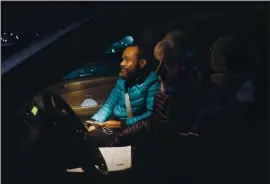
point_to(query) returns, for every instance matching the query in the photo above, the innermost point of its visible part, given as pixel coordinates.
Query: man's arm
(107, 108)
(149, 106)
(157, 118)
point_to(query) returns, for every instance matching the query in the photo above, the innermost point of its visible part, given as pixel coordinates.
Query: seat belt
(128, 106)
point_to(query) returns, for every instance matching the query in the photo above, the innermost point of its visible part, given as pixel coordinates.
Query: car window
(34, 24)
(118, 46)
(107, 66)
(94, 71)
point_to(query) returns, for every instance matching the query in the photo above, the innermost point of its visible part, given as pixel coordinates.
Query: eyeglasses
(165, 66)
(167, 63)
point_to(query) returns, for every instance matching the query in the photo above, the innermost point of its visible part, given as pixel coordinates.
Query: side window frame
(110, 61)
(80, 74)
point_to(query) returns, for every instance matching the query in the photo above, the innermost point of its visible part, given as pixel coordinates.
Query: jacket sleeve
(149, 106)
(129, 132)
(108, 107)
(157, 118)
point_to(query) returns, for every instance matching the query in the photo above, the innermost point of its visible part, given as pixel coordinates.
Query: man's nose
(122, 64)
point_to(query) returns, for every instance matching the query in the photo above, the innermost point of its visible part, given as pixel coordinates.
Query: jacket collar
(147, 78)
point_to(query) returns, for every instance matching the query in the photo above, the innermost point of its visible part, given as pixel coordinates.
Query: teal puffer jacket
(141, 101)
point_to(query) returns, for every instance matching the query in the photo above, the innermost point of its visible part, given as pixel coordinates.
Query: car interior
(47, 98)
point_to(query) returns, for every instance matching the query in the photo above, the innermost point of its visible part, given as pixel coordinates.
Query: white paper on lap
(75, 170)
(117, 158)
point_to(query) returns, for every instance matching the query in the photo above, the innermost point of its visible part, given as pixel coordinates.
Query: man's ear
(143, 63)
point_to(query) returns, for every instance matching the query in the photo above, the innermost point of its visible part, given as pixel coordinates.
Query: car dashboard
(31, 119)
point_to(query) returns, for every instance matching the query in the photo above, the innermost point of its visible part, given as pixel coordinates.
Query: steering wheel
(62, 114)
(59, 111)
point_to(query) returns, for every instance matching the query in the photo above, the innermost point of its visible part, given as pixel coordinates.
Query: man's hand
(94, 125)
(112, 124)
(107, 124)
(91, 128)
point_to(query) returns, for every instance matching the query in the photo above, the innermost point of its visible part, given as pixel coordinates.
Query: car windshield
(107, 65)
(31, 24)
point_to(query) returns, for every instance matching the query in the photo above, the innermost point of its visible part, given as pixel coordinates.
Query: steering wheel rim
(59, 110)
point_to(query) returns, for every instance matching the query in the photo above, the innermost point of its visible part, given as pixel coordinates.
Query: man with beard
(171, 129)
(132, 97)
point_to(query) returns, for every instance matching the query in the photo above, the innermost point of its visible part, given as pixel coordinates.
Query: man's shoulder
(120, 83)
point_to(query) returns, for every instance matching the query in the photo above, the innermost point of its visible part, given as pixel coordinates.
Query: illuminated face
(129, 64)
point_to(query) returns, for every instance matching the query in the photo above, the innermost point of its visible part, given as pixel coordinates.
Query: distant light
(113, 50)
(5, 33)
(11, 34)
(122, 42)
(37, 34)
(17, 37)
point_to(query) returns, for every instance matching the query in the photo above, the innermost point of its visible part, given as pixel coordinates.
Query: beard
(127, 74)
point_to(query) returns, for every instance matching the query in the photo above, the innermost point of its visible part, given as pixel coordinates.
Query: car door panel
(85, 113)
(83, 83)
(98, 93)
(74, 92)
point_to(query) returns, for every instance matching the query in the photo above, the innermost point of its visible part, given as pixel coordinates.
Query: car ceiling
(25, 17)
(90, 40)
